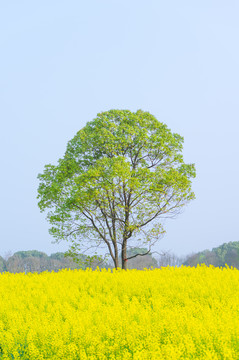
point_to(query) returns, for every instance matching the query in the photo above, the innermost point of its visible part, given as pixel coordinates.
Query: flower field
(170, 313)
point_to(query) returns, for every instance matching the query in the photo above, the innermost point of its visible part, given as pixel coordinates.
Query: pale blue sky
(62, 62)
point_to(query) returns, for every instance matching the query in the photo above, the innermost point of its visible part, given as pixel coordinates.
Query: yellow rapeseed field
(170, 313)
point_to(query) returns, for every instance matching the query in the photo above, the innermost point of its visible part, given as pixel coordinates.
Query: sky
(62, 62)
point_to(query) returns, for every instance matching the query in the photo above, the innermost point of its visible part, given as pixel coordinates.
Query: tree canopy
(120, 175)
(30, 253)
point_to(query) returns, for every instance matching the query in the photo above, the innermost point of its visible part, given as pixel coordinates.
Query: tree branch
(131, 257)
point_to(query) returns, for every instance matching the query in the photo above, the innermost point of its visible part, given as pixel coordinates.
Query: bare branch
(131, 257)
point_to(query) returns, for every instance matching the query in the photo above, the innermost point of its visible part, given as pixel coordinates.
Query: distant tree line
(37, 261)
(226, 254)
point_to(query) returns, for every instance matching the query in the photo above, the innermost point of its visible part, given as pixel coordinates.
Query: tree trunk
(116, 258)
(124, 255)
(124, 264)
(116, 261)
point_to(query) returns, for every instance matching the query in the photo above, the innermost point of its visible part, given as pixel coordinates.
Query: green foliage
(57, 256)
(120, 174)
(226, 254)
(33, 253)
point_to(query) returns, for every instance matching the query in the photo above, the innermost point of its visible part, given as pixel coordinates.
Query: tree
(2, 264)
(31, 253)
(120, 175)
(166, 258)
(225, 254)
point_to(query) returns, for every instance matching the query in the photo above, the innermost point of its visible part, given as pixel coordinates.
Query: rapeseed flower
(169, 313)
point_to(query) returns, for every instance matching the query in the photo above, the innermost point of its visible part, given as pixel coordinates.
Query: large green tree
(120, 175)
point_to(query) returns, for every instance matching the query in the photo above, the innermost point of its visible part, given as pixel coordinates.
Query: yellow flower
(169, 313)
